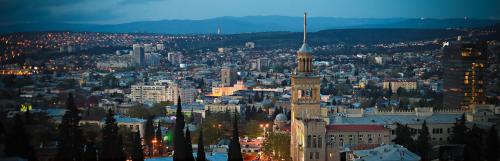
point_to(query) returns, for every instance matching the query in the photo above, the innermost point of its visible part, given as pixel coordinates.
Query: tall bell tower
(308, 126)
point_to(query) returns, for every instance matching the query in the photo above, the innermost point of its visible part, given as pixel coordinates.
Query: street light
(264, 126)
(154, 144)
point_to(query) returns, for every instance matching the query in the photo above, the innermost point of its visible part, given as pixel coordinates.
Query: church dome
(280, 118)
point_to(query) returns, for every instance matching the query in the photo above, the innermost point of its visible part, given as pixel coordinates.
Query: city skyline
(255, 88)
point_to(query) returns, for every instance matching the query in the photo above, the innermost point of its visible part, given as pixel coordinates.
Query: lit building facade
(228, 76)
(308, 121)
(227, 91)
(187, 93)
(464, 74)
(395, 84)
(148, 93)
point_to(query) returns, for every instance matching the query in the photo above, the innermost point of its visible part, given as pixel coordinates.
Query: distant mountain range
(231, 25)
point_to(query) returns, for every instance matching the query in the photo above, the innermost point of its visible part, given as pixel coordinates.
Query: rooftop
(391, 119)
(386, 153)
(352, 128)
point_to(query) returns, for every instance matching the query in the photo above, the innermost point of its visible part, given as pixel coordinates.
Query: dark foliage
(423, 144)
(112, 144)
(234, 152)
(137, 153)
(71, 142)
(492, 145)
(17, 141)
(90, 153)
(180, 144)
(200, 155)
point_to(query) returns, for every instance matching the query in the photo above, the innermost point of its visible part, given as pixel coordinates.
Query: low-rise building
(395, 84)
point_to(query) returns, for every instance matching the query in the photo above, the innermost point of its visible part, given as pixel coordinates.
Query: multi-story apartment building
(148, 93)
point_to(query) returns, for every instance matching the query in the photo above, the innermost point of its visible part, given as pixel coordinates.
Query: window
(315, 141)
(308, 93)
(310, 155)
(317, 155)
(370, 140)
(308, 141)
(319, 141)
(332, 141)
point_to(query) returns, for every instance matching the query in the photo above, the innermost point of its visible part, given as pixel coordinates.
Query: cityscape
(125, 80)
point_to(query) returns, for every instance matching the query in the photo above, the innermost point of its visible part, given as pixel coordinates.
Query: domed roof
(305, 49)
(281, 118)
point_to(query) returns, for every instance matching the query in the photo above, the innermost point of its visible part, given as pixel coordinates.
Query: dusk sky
(119, 11)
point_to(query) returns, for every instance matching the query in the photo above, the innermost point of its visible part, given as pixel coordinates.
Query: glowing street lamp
(154, 144)
(264, 126)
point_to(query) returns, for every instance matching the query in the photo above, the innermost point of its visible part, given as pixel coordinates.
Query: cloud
(119, 11)
(18, 11)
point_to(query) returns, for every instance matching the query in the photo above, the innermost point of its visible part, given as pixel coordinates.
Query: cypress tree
(474, 143)
(492, 145)
(27, 116)
(458, 135)
(137, 154)
(17, 141)
(189, 145)
(2, 129)
(403, 137)
(389, 93)
(234, 152)
(112, 144)
(71, 143)
(200, 155)
(227, 114)
(423, 144)
(158, 137)
(208, 112)
(180, 153)
(120, 153)
(149, 134)
(90, 153)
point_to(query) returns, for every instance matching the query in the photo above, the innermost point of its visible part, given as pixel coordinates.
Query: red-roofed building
(343, 136)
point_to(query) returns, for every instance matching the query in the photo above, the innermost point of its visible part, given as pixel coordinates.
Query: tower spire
(305, 27)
